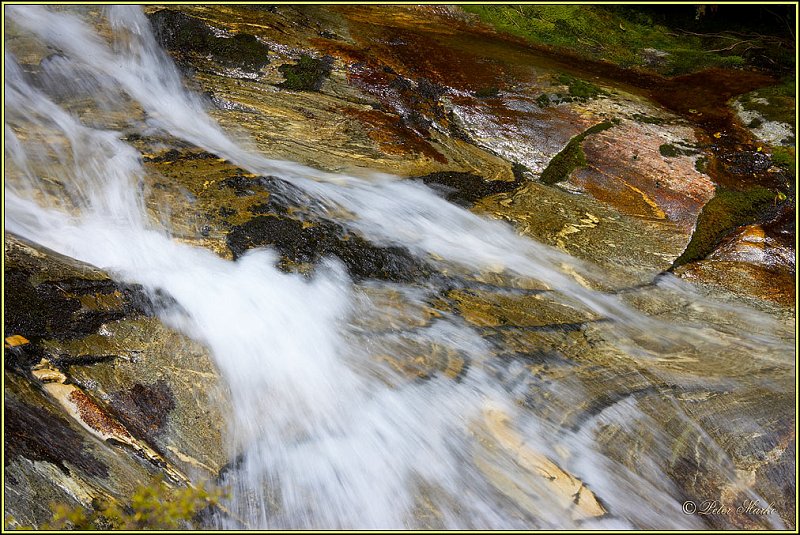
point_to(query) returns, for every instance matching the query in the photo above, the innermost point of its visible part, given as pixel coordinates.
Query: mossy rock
(669, 150)
(307, 74)
(726, 211)
(301, 243)
(182, 34)
(487, 92)
(465, 189)
(774, 103)
(580, 89)
(572, 156)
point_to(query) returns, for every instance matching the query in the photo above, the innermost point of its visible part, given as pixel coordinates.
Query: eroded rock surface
(100, 397)
(417, 92)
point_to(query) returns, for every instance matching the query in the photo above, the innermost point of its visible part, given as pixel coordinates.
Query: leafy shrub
(155, 506)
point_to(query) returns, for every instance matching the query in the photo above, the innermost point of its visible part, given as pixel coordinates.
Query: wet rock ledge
(100, 396)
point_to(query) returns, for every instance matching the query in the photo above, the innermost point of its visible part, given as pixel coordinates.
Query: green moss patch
(647, 119)
(307, 74)
(487, 92)
(185, 35)
(701, 164)
(774, 103)
(785, 157)
(580, 89)
(543, 100)
(628, 37)
(724, 212)
(672, 151)
(571, 157)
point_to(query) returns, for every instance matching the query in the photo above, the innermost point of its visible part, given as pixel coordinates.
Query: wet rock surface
(303, 243)
(185, 35)
(121, 399)
(415, 92)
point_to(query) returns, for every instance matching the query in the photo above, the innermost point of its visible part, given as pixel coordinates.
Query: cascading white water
(321, 441)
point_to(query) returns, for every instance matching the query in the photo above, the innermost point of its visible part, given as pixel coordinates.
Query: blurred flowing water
(324, 434)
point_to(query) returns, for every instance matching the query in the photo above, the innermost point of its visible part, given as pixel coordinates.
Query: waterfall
(321, 440)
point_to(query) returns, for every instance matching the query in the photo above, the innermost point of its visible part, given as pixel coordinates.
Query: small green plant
(155, 506)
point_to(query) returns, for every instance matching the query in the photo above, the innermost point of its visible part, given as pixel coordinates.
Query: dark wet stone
(52, 309)
(64, 361)
(746, 162)
(47, 299)
(183, 34)
(39, 435)
(487, 92)
(309, 245)
(429, 90)
(144, 409)
(44, 311)
(465, 189)
(173, 154)
(245, 186)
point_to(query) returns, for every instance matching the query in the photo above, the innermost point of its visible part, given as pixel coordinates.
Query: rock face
(430, 102)
(100, 396)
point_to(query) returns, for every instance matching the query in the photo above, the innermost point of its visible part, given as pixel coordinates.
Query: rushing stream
(324, 434)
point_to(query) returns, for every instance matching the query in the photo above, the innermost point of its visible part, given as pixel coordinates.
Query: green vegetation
(307, 74)
(774, 103)
(154, 507)
(572, 156)
(671, 151)
(626, 38)
(723, 213)
(785, 157)
(701, 164)
(487, 92)
(646, 119)
(543, 100)
(580, 89)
